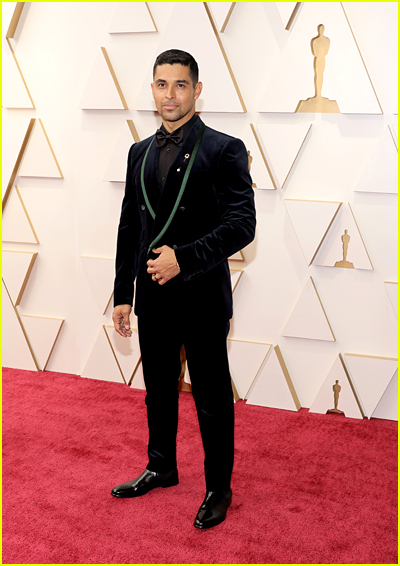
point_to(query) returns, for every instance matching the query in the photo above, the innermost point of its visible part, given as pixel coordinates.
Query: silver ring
(155, 277)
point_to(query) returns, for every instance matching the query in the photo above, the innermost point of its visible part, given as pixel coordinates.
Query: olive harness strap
(182, 189)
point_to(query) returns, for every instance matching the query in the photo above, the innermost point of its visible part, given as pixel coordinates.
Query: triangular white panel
(15, 350)
(308, 319)
(271, 388)
(392, 291)
(282, 143)
(345, 78)
(15, 93)
(325, 399)
(101, 273)
(311, 221)
(380, 175)
(42, 334)
(286, 10)
(333, 249)
(126, 351)
(17, 267)
(235, 278)
(116, 170)
(39, 159)
(102, 91)
(101, 363)
(245, 360)
(201, 42)
(17, 226)
(132, 17)
(221, 12)
(388, 406)
(371, 376)
(258, 163)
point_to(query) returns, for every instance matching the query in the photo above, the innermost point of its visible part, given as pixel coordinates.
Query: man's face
(174, 94)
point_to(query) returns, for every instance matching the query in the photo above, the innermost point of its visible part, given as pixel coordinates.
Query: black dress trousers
(204, 338)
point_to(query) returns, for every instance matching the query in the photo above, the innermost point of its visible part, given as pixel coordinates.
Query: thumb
(157, 250)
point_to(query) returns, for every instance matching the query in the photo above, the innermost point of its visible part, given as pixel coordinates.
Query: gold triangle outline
(285, 372)
(387, 293)
(12, 28)
(375, 358)
(62, 320)
(235, 84)
(328, 228)
(323, 310)
(151, 16)
(260, 147)
(359, 51)
(228, 17)
(362, 239)
(114, 77)
(26, 214)
(20, 72)
(241, 256)
(239, 278)
(22, 327)
(27, 275)
(18, 162)
(129, 382)
(293, 16)
(249, 342)
(51, 148)
(133, 130)
(348, 373)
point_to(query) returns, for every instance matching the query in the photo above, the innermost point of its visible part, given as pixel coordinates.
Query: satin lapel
(152, 185)
(174, 179)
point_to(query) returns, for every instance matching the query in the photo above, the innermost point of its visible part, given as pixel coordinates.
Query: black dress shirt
(170, 150)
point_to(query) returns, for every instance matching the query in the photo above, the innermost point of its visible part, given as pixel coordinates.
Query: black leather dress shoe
(145, 483)
(213, 509)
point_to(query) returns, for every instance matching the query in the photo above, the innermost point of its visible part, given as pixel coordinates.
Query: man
(188, 206)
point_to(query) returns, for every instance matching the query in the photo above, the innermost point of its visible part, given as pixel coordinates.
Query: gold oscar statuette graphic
(250, 162)
(344, 262)
(336, 390)
(319, 47)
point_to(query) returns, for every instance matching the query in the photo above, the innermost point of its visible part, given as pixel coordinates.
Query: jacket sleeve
(128, 241)
(235, 195)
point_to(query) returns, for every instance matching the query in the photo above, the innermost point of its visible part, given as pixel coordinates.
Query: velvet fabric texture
(215, 219)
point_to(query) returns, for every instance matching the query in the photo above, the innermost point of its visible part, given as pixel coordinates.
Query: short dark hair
(178, 57)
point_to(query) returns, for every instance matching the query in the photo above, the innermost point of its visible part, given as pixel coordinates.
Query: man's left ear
(197, 90)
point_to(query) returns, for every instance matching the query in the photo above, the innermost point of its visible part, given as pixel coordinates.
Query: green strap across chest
(181, 191)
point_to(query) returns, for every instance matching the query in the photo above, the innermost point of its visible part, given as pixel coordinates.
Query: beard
(173, 115)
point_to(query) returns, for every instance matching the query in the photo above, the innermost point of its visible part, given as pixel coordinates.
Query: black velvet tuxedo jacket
(214, 220)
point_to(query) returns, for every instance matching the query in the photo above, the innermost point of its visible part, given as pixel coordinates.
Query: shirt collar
(186, 127)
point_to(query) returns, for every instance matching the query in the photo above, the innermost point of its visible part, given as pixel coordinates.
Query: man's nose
(170, 92)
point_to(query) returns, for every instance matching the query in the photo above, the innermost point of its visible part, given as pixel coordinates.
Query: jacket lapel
(174, 180)
(152, 184)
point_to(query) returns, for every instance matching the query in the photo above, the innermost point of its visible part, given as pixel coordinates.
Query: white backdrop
(56, 44)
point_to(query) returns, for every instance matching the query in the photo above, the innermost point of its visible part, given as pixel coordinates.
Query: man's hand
(164, 267)
(121, 320)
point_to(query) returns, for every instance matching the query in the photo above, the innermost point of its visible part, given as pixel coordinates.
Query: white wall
(56, 44)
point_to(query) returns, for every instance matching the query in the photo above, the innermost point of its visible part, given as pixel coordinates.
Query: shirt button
(168, 149)
(143, 207)
(164, 179)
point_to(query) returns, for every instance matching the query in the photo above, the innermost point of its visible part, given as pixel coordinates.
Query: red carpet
(307, 488)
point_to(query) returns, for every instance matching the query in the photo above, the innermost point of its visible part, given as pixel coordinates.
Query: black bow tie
(161, 137)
